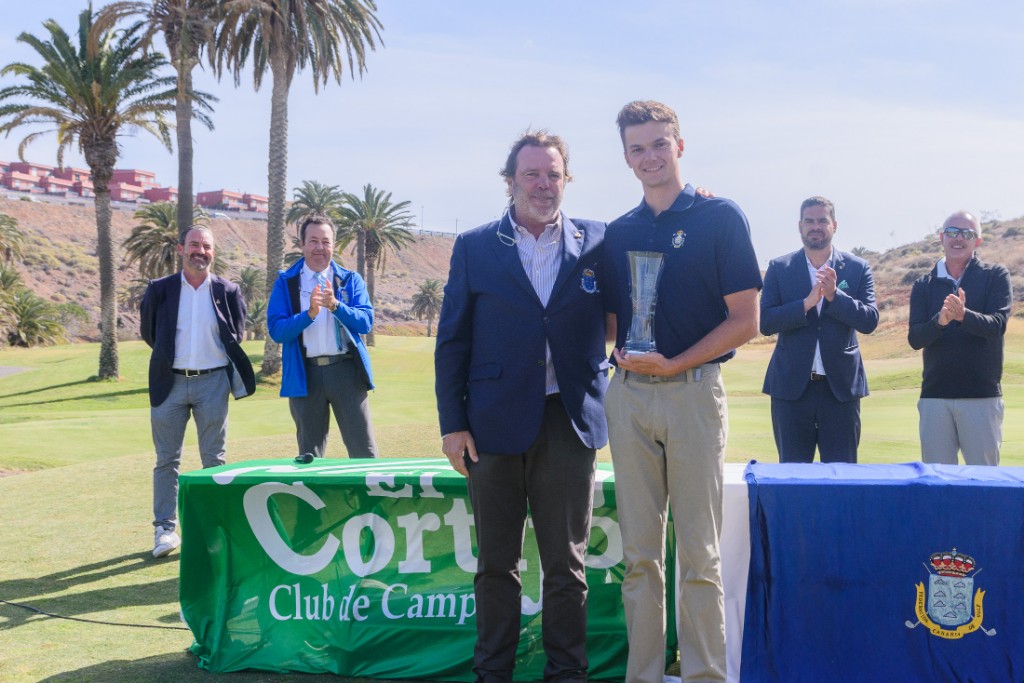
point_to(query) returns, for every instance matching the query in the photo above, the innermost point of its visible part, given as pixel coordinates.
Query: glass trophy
(644, 275)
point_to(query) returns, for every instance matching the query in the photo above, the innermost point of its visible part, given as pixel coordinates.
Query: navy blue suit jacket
(852, 310)
(490, 356)
(159, 321)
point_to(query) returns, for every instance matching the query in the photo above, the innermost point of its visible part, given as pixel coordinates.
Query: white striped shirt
(541, 258)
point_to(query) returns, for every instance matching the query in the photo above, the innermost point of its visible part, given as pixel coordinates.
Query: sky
(899, 111)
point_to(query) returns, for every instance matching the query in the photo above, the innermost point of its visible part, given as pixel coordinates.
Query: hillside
(61, 260)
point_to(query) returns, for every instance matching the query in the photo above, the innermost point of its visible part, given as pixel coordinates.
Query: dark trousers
(336, 387)
(816, 420)
(554, 479)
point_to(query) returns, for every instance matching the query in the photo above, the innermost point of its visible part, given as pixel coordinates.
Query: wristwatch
(334, 307)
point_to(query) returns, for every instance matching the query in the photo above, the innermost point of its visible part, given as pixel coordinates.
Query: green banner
(364, 569)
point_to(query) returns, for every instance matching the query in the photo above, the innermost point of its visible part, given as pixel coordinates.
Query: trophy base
(638, 351)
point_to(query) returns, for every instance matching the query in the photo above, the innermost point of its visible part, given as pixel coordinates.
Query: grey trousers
(206, 399)
(974, 426)
(340, 388)
(554, 478)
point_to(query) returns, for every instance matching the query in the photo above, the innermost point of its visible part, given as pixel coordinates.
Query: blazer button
(540, 362)
(547, 319)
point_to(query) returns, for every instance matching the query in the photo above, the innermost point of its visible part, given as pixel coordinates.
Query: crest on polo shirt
(588, 282)
(678, 239)
(952, 606)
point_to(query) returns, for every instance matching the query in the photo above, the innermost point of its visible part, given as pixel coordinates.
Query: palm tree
(382, 227)
(10, 283)
(286, 36)
(6, 317)
(12, 239)
(187, 27)
(296, 253)
(130, 296)
(426, 303)
(154, 243)
(314, 197)
(10, 279)
(89, 94)
(256, 319)
(35, 321)
(250, 281)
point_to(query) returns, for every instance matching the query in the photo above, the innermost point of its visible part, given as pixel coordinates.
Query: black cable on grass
(90, 621)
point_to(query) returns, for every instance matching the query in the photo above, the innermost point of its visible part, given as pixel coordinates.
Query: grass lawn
(75, 533)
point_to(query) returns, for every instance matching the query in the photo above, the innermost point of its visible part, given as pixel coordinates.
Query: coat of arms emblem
(588, 282)
(952, 607)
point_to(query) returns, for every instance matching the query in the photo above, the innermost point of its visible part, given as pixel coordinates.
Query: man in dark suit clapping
(194, 321)
(817, 299)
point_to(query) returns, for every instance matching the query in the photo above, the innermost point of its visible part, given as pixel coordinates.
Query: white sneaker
(164, 542)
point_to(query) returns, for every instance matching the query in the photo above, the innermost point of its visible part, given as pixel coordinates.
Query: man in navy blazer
(521, 373)
(816, 300)
(194, 321)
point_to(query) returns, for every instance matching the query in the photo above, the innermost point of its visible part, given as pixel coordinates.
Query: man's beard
(815, 241)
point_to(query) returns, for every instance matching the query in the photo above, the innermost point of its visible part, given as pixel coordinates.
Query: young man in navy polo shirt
(667, 409)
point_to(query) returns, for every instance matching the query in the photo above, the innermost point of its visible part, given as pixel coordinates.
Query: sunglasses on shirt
(966, 233)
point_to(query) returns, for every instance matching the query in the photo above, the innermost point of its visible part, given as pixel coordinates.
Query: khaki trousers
(667, 440)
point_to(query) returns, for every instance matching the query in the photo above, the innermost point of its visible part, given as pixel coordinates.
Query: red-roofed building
(134, 176)
(16, 180)
(28, 168)
(254, 202)
(5, 166)
(54, 185)
(221, 199)
(161, 194)
(84, 188)
(125, 192)
(75, 175)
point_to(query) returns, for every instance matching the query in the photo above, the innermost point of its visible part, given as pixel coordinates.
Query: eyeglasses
(966, 233)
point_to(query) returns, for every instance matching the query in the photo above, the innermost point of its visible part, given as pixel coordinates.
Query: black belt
(815, 377)
(328, 360)
(196, 373)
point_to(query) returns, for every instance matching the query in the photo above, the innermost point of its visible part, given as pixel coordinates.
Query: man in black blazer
(817, 299)
(194, 321)
(521, 374)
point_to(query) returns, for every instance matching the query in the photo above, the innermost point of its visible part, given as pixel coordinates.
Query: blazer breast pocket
(484, 371)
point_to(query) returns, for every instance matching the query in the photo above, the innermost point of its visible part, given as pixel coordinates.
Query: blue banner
(885, 573)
